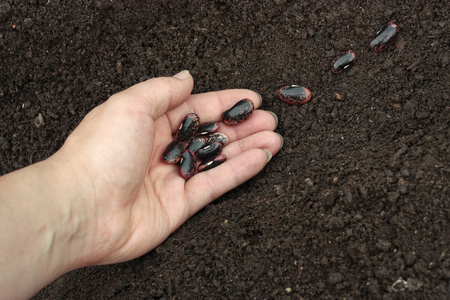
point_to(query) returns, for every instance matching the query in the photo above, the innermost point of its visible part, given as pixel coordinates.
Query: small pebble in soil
(309, 181)
(402, 186)
(383, 245)
(38, 121)
(240, 112)
(384, 37)
(209, 150)
(188, 127)
(343, 61)
(335, 277)
(173, 152)
(294, 94)
(212, 162)
(207, 128)
(188, 164)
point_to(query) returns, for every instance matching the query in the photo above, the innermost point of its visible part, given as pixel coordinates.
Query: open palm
(136, 200)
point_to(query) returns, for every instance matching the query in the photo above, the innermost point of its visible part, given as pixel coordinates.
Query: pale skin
(106, 196)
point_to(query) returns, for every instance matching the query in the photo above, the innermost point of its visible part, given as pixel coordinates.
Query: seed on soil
(217, 137)
(343, 61)
(207, 128)
(173, 152)
(196, 143)
(188, 164)
(240, 112)
(384, 37)
(294, 94)
(209, 150)
(212, 162)
(188, 127)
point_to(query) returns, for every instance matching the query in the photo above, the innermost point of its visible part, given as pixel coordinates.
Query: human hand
(107, 196)
(132, 201)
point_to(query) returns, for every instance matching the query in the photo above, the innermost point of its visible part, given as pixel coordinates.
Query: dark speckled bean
(209, 150)
(217, 137)
(343, 61)
(173, 152)
(384, 37)
(294, 94)
(207, 128)
(188, 164)
(240, 112)
(188, 127)
(212, 162)
(196, 143)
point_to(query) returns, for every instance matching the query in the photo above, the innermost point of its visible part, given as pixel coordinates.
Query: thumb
(161, 94)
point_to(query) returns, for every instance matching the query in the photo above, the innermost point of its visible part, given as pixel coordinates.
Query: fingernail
(268, 153)
(260, 98)
(282, 140)
(275, 117)
(182, 75)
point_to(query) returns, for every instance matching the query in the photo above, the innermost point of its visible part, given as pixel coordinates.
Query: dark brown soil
(357, 203)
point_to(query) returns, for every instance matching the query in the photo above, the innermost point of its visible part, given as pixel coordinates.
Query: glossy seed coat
(217, 137)
(188, 127)
(343, 61)
(240, 112)
(209, 150)
(384, 37)
(207, 128)
(294, 94)
(196, 143)
(212, 162)
(173, 152)
(188, 164)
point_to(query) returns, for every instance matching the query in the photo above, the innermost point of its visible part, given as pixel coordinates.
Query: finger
(259, 121)
(157, 95)
(207, 186)
(261, 140)
(210, 106)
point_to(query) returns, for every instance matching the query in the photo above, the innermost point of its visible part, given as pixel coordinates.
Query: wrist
(72, 215)
(41, 228)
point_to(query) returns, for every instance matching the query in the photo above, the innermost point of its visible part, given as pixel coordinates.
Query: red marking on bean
(217, 137)
(212, 162)
(188, 164)
(173, 152)
(240, 112)
(384, 37)
(294, 94)
(207, 128)
(343, 61)
(188, 127)
(196, 143)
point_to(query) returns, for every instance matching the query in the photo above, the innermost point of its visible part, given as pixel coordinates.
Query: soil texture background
(356, 205)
